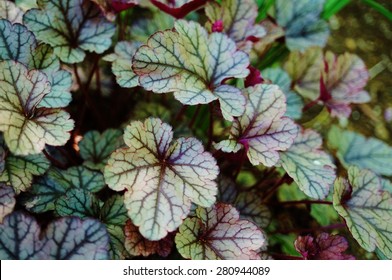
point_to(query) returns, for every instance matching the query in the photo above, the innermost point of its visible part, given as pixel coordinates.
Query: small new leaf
(217, 233)
(161, 178)
(137, 245)
(71, 27)
(193, 65)
(7, 200)
(262, 130)
(324, 247)
(309, 166)
(366, 208)
(355, 149)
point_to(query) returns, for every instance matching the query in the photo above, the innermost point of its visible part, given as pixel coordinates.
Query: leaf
(121, 63)
(161, 178)
(95, 148)
(262, 130)
(73, 239)
(366, 208)
(178, 8)
(77, 202)
(8, 10)
(273, 32)
(7, 200)
(310, 167)
(54, 185)
(251, 208)
(26, 125)
(111, 7)
(144, 110)
(302, 24)
(218, 233)
(19, 238)
(324, 247)
(114, 212)
(137, 245)
(193, 65)
(355, 149)
(18, 171)
(294, 102)
(71, 27)
(143, 27)
(19, 44)
(335, 81)
(117, 242)
(238, 19)
(227, 191)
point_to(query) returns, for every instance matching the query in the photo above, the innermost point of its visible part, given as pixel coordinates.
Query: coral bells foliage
(175, 129)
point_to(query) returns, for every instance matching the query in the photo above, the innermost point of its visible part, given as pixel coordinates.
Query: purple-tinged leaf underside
(71, 27)
(310, 167)
(7, 200)
(323, 247)
(193, 65)
(161, 177)
(178, 8)
(137, 245)
(238, 19)
(355, 149)
(366, 208)
(218, 233)
(262, 130)
(121, 63)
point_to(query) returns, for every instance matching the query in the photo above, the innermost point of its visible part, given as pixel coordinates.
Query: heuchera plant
(185, 129)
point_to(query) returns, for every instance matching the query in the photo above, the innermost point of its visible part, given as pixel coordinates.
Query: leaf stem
(181, 113)
(211, 127)
(195, 114)
(271, 191)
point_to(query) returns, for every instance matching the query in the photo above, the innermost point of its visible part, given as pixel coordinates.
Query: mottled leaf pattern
(302, 23)
(238, 20)
(77, 202)
(137, 245)
(366, 208)
(162, 177)
(26, 126)
(323, 247)
(310, 167)
(95, 148)
(355, 149)
(251, 208)
(218, 233)
(11, 12)
(7, 200)
(18, 171)
(193, 65)
(121, 63)
(117, 242)
(294, 102)
(262, 130)
(71, 27)
(113, 212)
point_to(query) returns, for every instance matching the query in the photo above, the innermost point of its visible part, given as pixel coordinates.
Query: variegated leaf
(7, 200)
(193, 65)
(8, 10)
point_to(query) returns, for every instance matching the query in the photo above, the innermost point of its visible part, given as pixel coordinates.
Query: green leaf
(262, 130)
(324, 214)
(18, 171)
(302, 23)
(218, 233)
(71, 27)
(117, 242)
(54, 185)
(114, 212)
(161, 177)
(19, 44)
(310, 167)
(121, 63)
(95, 148)
(137, 245)
(27, 126)
(238, 20)
(7, 200)
(193, 65)
(227, 190)
(251, 208)
(143, 27)
(77, 202)
(355, 149)
(294, 102)
(144, 110)
(332, 7)
(8, 10)
(366, 208)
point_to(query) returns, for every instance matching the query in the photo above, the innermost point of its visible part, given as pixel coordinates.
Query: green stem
(379, 8)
